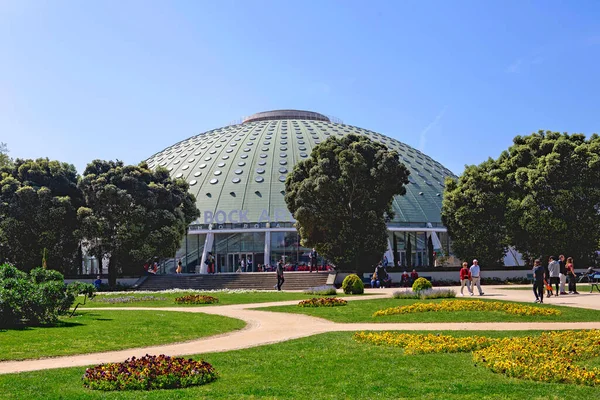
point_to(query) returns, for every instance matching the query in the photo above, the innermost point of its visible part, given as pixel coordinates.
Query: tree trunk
(112, 271)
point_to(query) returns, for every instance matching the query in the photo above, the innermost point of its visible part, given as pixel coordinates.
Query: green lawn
(95, 331)
(327, 366)
(362, 311)
(224, 298)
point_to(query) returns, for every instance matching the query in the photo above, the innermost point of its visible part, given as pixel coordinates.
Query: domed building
(238, 172)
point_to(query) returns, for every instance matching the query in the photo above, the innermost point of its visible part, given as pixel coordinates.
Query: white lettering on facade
(264, 216)
(230, 216)
(220, 217)
(244, 216)
(208, 217)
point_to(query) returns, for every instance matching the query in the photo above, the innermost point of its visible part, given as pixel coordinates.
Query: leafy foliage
(421, 284)
(133, 214)
(341, 197)
(37, 298)
(352, 284)
(38, 210)
(541, 196)
(5, 160)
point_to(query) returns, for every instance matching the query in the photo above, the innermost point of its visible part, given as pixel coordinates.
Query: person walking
(476, 277)
(538, 281)
(179, 267)
(313, 260)
(465, 279)
(280, 279)
(572, 277)
(562, 276)
(554, 273)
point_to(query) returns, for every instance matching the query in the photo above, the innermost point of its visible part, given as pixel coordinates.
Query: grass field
(95, 331)
(327, 366)
(224, 298)
(362, 311)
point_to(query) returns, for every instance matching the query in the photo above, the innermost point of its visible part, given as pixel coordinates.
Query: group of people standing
(557, 273)
(470, 277)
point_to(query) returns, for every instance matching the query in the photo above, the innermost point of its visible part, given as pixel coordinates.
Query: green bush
(352, 284)
(34, 299)
(421, 284)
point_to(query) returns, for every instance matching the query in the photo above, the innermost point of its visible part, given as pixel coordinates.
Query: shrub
(34, 299)
(425, 294)
(325, 290)
(405, 294)
(352, 284)
(196, 299)
(149, 372)
(421, 284)
(323, 302)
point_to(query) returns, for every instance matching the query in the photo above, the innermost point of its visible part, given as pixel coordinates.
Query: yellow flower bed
(549, 357)
(424, 344)
(468, 305)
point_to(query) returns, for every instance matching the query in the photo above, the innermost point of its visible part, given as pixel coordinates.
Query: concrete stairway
(251, 280)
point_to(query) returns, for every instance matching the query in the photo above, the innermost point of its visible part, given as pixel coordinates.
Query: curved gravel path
(265, 327)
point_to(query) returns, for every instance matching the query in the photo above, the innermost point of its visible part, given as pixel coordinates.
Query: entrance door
(233, 260)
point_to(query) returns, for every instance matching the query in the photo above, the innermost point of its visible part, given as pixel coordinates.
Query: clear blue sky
(81, 80)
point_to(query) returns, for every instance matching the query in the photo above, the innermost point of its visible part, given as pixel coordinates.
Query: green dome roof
(243, 167)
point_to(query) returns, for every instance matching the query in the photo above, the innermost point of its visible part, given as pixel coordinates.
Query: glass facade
(246, 251)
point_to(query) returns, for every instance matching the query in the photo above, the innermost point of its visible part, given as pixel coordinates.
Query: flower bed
(425, 294)
(549, 357)
(149, 372)
(126, 299)
(423, 344)
(323, 302)
(468, 305)
(196, 299)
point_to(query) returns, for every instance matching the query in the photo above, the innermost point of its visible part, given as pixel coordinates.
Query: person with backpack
(539, 274)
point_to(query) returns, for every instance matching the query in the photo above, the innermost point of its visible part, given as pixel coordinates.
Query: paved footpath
(265, 327)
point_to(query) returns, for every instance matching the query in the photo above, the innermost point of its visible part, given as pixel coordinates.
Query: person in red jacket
(465, 279)
(414, 276)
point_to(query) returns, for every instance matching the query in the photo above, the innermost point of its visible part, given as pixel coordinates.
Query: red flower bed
(149, 372)
(196, 299)
(323, 302)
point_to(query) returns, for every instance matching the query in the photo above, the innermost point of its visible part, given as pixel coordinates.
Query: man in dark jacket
(279, 270)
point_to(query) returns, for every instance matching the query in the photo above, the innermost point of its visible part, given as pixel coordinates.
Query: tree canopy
(38, 210)
(5, 160)
(540, 196)
(132, 214)
(341, 197)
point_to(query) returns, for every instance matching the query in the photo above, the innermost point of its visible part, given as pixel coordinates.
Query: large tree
(38, 211)
(341, 197)
(474, 212)
(133, 213)
(540, 196)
